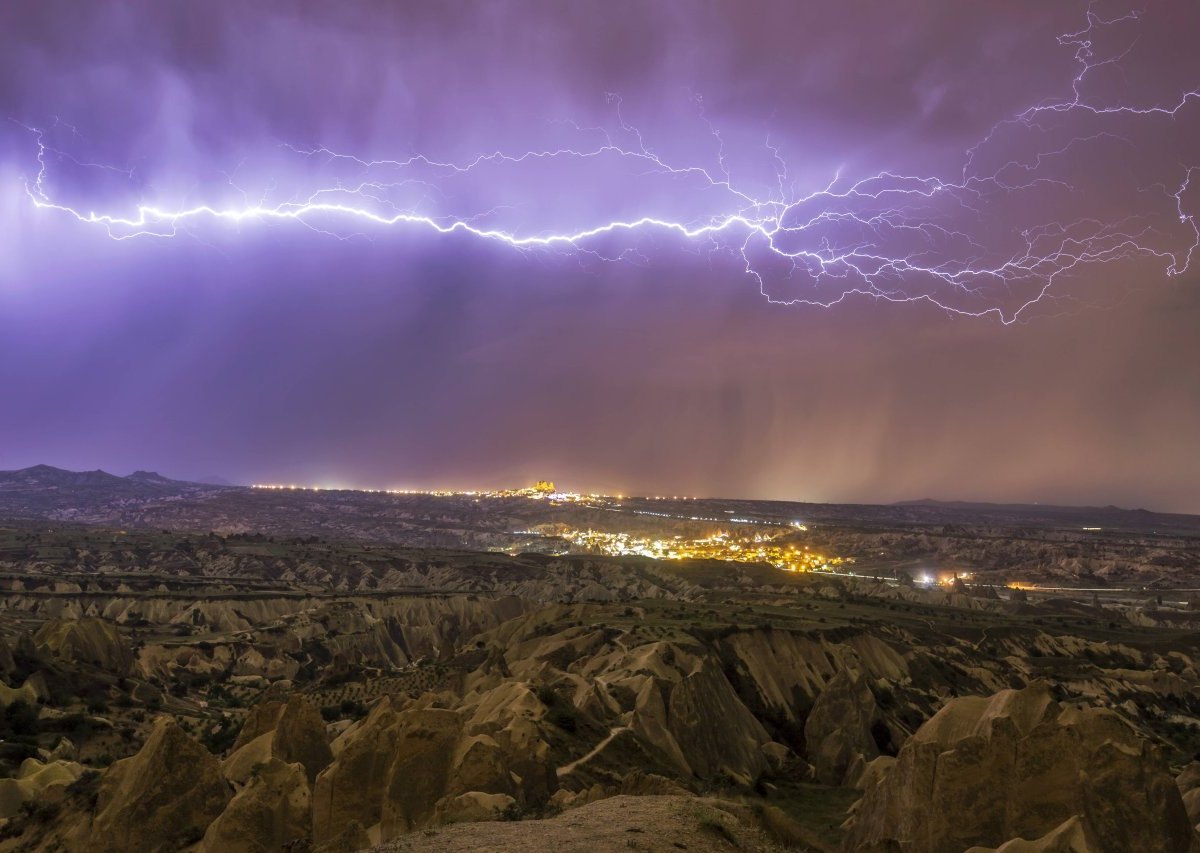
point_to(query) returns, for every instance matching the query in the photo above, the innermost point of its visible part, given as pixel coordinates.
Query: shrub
(86, 787)
(39, 811)
(222, 737)
(20, 719)
(513, 811)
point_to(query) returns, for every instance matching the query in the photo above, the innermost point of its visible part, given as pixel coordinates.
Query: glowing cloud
(993, 236)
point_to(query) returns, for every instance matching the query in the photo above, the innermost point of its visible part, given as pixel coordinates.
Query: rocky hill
(211, 691)
(808, 714)
(43, 491)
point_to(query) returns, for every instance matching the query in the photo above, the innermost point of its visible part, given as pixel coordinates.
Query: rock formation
(985, 771)
(410, 762)
(29, 692)
(838, 730)
(290, 730)
(90, 641)
(35, 779)
(271, 811)
(162, 798)
(1188, 783)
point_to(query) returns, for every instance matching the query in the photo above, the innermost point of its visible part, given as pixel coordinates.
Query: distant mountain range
(43, 491)
(149, 498)
(48, 476)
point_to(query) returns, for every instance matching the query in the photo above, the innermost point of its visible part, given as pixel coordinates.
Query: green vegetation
(819, 808)
(220, 737)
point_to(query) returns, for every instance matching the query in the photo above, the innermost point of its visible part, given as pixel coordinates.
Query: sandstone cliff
(290, 730)
(1017, 765)
(87, 640)
(163, 797)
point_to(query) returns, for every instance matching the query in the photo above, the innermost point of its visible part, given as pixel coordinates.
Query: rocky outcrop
(672, 696)
(783, 672)
(32, 689)
(290, 730)
(35, 779)
(1069, 837)
(1188, 783)
(985, 771)
(410, 763)
(352, 838)
(838, 731)
(473, 806)
(634, 784)
(385, 632)
(271, 811)
(164, 796)
(692, 715)
(390, 773)
(419, 626)
(89, 641)
(64, 750)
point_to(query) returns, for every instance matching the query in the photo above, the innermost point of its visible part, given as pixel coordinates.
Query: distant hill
(1082, 516)
(43, 491)
(47, 475)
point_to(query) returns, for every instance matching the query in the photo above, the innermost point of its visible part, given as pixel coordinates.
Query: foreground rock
(1018, 765)
(615, 824)
(410, 764)
(162, 798)
(838, 731)
(671, 696)
(34, 780)
(1188, 783)
(270, 812)
(290, 730)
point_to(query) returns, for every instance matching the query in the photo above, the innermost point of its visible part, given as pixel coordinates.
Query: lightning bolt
(887, 236)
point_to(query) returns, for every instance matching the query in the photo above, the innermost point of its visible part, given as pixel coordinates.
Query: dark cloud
(271, 352)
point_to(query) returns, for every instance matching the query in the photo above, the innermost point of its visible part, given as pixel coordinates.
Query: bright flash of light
(946, 240)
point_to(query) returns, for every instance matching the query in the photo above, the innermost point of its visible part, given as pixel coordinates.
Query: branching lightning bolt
(888, 236)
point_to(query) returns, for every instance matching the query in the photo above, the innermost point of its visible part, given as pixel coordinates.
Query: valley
(330, 688)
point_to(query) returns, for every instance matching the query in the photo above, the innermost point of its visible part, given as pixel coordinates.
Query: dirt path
(568, 768)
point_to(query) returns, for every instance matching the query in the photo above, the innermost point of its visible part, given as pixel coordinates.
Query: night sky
(893, 251)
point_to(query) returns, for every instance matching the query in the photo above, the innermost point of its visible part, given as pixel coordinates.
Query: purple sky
(334, 348)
